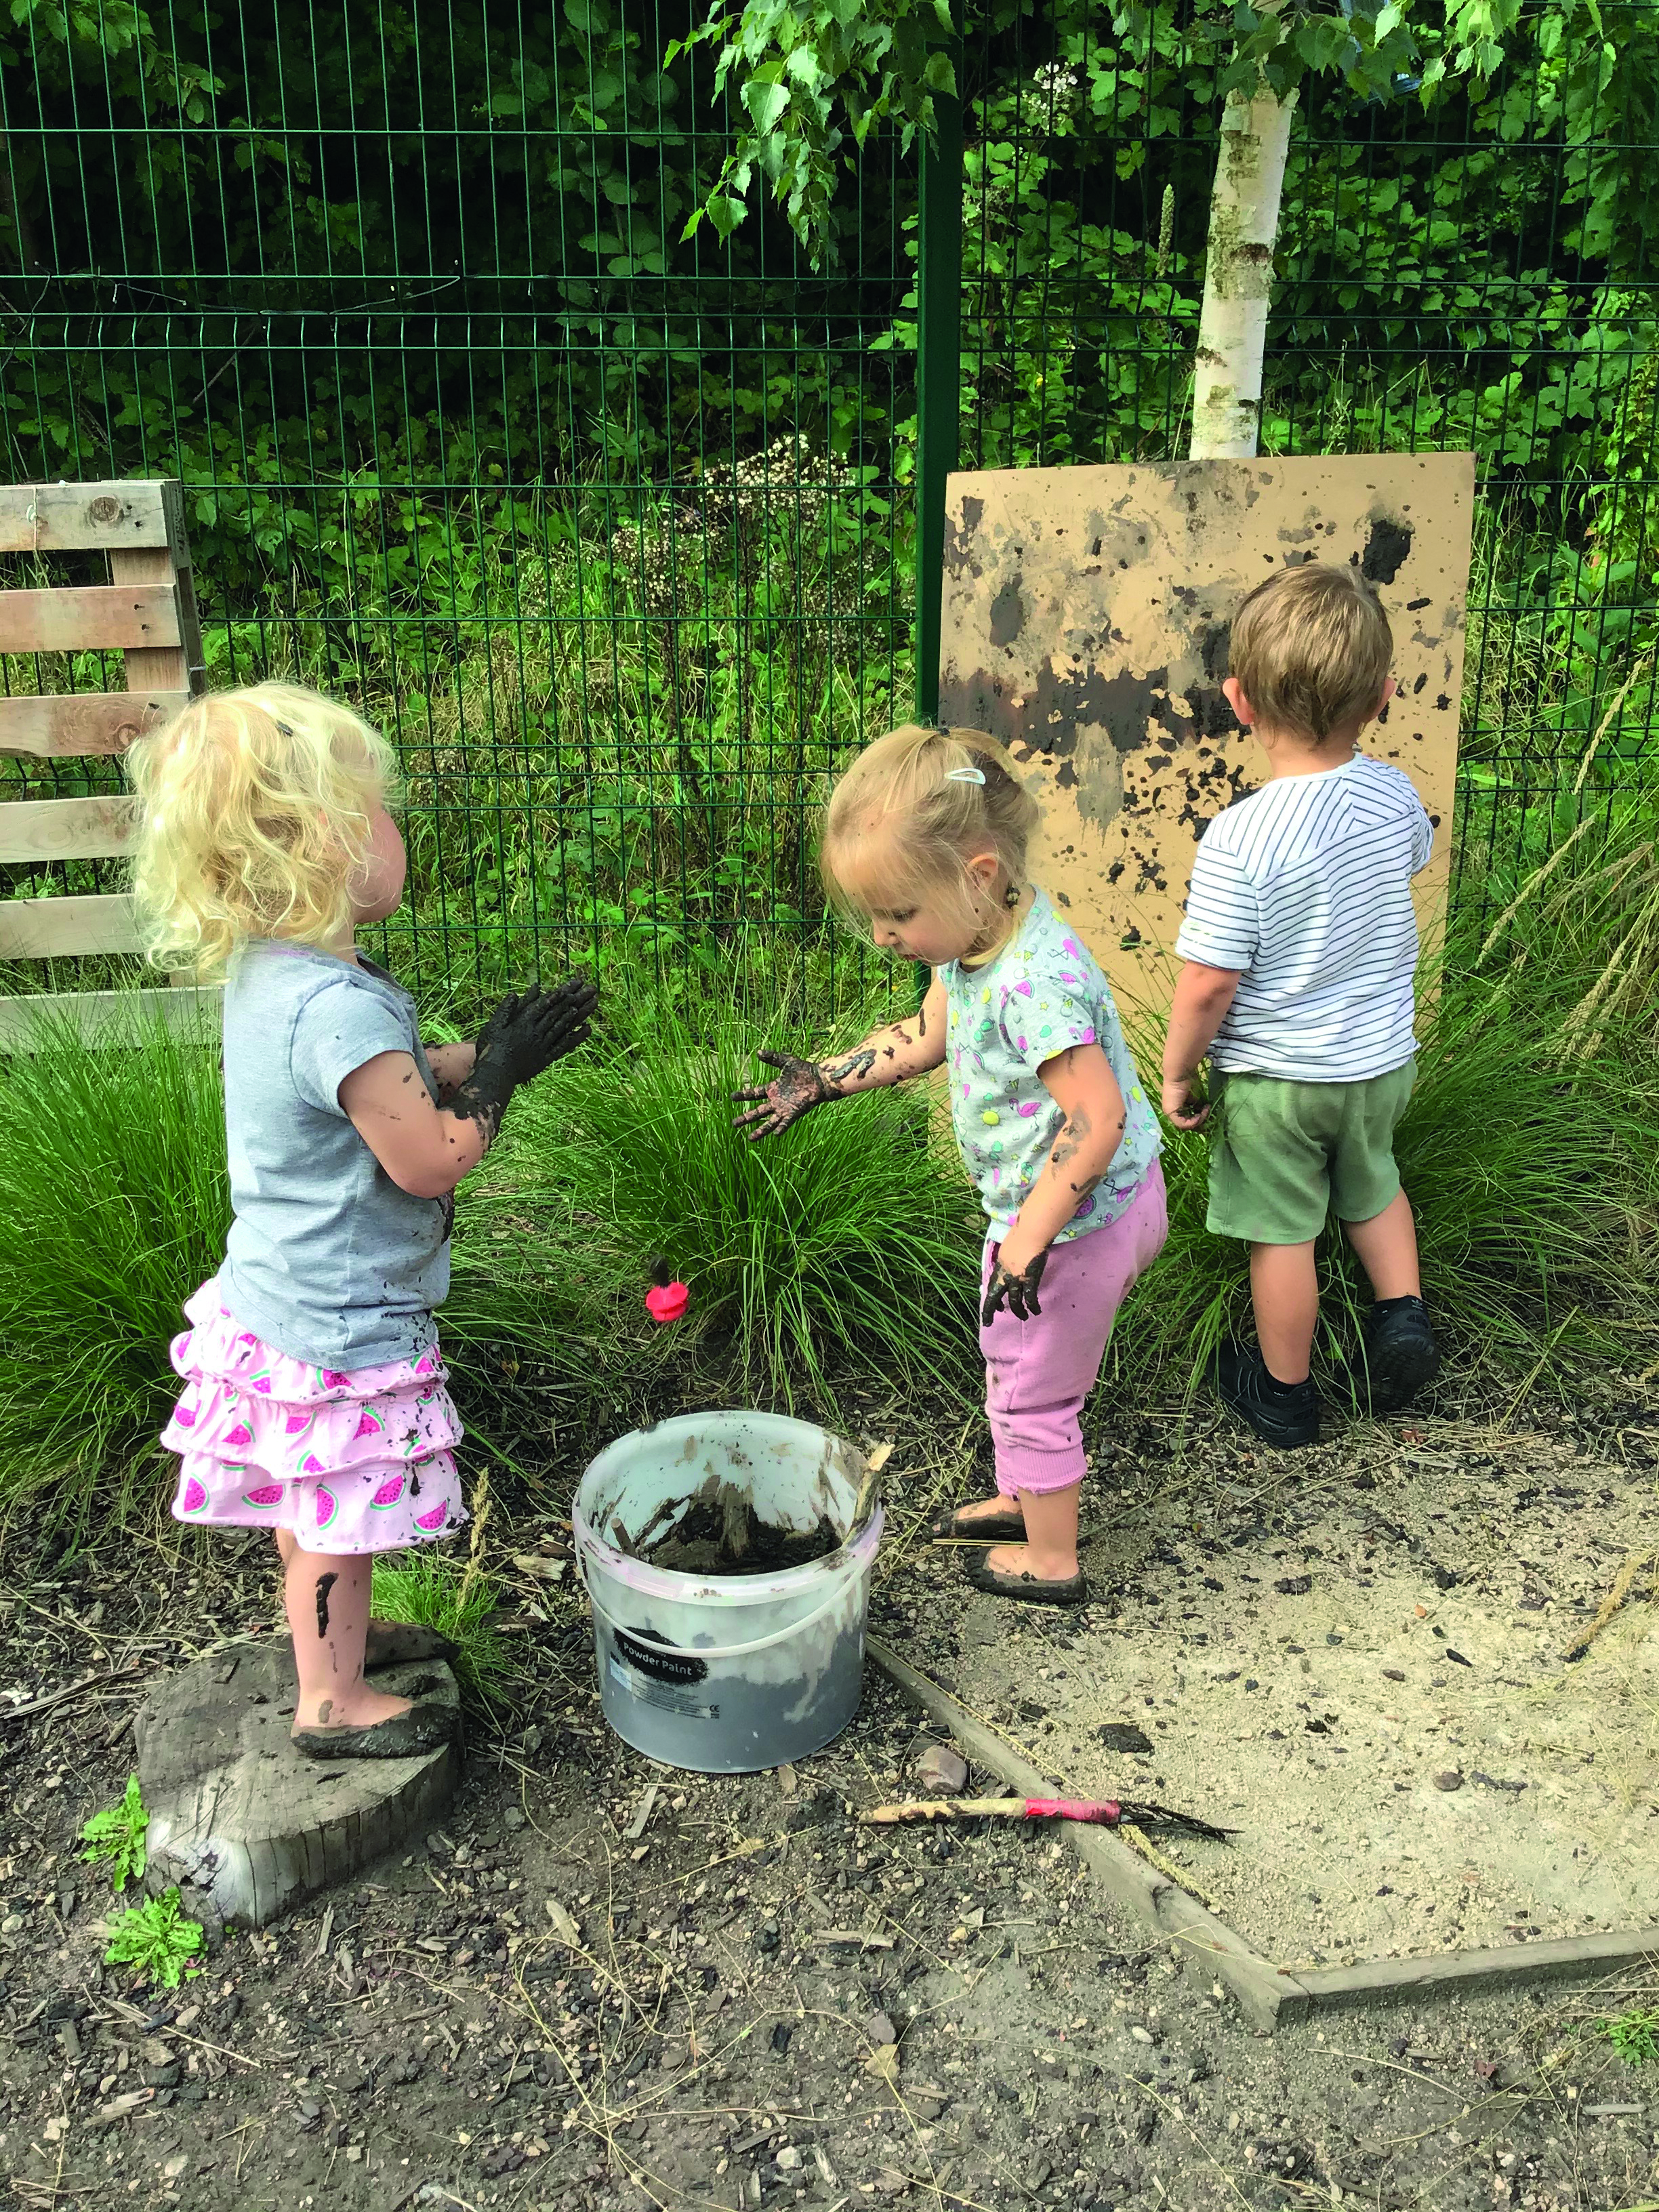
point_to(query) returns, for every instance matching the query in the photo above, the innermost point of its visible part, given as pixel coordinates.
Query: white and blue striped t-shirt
(1305, 887)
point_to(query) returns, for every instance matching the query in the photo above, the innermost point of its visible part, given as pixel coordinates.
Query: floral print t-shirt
(1042, 993)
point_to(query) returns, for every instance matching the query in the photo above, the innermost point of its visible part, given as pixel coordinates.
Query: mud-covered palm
(527, 1032)
(797, 1086)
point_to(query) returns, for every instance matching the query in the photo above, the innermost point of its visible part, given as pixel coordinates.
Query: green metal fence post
(939, 374)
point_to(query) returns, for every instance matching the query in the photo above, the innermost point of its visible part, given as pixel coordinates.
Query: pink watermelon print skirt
(350, 1462)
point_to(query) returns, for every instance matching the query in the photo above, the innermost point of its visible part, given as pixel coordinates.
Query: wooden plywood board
(65, 727)
(1086, 613)
(66, 518)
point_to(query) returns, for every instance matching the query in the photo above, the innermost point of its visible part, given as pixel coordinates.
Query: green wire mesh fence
(616, 534)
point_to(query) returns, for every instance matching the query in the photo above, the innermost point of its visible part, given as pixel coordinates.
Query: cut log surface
(245, 1827)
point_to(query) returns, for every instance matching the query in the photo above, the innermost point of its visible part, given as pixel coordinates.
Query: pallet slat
(71, 518)
(66, 829)
(62, 928)
(88, 617)
(117, 1017)
(62, 728)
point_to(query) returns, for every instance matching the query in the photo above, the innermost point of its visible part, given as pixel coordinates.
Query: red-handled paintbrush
(1098, 1812)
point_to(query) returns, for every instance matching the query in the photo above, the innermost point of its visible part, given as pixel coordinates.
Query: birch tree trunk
(1238, 275)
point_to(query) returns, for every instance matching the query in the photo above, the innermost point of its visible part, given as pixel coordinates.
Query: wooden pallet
(145, 612)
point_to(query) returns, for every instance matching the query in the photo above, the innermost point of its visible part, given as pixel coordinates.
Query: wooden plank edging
(1267, 1996)
(1460, 1973)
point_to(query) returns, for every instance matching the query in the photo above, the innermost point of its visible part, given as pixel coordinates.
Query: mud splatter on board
(1086, 619)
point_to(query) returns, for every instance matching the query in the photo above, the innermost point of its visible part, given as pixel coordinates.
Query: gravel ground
(604, 1985)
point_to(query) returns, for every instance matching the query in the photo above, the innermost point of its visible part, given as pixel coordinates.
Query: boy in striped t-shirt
(1300, 942)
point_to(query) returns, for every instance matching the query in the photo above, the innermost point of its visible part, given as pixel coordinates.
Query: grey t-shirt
(327, 1259)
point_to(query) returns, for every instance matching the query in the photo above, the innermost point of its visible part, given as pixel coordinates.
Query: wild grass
(846, 1248)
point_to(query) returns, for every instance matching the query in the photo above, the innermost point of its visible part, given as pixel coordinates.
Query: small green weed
(115, 1838)
(156, 1938)
(1633, 2034)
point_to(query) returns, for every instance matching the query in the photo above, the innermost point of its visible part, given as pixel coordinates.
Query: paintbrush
(1098, 1812)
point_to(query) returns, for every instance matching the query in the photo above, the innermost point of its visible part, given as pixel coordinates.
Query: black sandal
(986, 1528)
(423, 1728)
(1073, 1590)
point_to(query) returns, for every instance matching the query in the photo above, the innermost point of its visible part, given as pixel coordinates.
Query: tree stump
(242, 1823)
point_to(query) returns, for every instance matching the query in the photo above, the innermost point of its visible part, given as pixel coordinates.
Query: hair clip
(965, 775)
(283, 730)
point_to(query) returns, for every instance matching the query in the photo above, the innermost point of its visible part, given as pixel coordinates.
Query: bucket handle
(709, 1650)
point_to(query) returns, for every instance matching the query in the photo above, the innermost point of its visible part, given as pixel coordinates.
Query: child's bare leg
(1285, 1290)
(1050, 1551)
(388, 1643)
(1387, 1245)
(327, 1601)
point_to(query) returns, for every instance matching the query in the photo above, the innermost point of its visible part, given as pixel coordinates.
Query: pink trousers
(1037, 1373)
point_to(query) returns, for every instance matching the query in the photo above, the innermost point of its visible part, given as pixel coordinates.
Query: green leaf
(766, 103)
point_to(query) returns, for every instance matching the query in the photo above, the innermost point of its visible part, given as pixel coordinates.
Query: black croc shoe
(985, 1528)
(1398, 1357)
(1285, 1419)
(1074, 1590)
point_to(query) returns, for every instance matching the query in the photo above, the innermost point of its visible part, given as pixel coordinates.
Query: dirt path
(753, 2001)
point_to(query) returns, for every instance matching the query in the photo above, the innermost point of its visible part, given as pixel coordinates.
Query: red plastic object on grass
(667, 1299)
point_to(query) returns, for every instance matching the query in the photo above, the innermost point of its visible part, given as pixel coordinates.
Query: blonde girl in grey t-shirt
(314, 1401)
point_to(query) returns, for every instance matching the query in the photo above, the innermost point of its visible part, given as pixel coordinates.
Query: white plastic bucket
(725, 1674)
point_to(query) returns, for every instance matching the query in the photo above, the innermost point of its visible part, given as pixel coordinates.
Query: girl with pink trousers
(314, 1403)
(925, 842)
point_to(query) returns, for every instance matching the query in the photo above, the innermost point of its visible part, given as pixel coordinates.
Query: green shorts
(1282, 1154)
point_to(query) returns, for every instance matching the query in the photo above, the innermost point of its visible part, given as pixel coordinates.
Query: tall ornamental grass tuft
(852, 1235)
(114, 1203)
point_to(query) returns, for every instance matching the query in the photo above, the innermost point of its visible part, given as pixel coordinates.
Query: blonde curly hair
(940, 796)
(255, 811)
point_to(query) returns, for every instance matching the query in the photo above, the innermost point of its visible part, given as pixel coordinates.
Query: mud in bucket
(725, 1674)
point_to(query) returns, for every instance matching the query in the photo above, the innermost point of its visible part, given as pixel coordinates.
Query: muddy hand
(1017, 1288)
(572, 1004)
(798, 1085)
(530, 1030)
(527, 1032)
